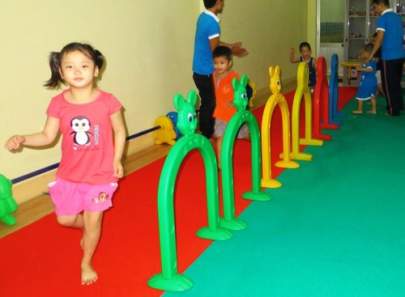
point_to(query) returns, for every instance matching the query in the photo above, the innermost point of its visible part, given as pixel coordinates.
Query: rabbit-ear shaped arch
(192, 97)
(244, 80)
(277, 71)
(271, 71)
(178, 102)
(235, 83)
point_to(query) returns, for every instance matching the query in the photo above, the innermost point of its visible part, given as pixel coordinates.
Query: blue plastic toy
(173, 117)
(335, 117)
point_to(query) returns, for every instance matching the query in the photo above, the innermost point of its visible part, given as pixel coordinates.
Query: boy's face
(305, 52)
(220, 6)
(379, 8)
(222, 64)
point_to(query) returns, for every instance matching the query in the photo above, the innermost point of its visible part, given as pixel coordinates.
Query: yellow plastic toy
(302, 91)
(166, 133)
(276, 99)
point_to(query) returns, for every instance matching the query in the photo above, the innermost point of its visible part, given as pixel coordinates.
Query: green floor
(336, 228)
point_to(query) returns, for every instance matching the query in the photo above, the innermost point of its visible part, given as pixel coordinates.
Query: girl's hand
(292, 55)
(118, 169)
(292, 51)
(14, 143)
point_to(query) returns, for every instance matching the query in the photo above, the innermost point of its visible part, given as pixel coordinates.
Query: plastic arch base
(300, 156)
(233, 224)
(287, 164)
(8, 220)
(218, 234)
(271, 183)
(330, 126)
(325, 137)
(260, 196)
(313, 142)
(177, 283)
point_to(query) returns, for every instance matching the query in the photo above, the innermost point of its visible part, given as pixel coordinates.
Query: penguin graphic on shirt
(81, 130)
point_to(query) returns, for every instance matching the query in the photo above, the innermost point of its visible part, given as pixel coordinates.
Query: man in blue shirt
(390, 35)
(207, 38)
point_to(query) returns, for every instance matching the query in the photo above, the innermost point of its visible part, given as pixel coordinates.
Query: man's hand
(238, 50)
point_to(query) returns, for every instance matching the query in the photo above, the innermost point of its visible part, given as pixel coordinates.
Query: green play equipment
(241, 117)
(7, 202)
(169, 279)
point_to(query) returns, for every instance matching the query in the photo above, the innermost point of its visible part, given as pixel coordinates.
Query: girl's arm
(44, 138)
(120, 134)
(293, 59)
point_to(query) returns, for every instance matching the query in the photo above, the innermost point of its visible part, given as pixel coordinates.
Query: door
(331, 28)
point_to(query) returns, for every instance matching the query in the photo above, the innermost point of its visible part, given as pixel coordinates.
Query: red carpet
(43, 259)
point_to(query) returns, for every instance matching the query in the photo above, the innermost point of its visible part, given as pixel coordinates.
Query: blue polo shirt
(207, 28)
(391, 24)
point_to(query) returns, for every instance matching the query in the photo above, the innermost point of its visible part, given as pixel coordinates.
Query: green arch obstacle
(241, 117)
(169, 279)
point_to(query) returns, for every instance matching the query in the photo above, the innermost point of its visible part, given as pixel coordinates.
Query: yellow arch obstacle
(276, 99)
(302, 91)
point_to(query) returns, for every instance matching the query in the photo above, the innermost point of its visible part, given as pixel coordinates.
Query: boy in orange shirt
(224, 109)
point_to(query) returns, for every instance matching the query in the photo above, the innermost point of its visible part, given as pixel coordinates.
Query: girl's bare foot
(372, 112)
(356, 111)
(89, 275)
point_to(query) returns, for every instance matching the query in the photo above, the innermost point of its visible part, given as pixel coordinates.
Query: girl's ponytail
(98, 59)
(54, 64)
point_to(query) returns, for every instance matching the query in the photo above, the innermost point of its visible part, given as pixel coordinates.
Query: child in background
(368, 81)
(93, 139)
(306, 56)
(224, 94)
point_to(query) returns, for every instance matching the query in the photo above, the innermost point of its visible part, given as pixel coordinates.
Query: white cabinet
(361, 25)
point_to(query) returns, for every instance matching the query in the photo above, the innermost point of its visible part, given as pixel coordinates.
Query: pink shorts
(72, 198)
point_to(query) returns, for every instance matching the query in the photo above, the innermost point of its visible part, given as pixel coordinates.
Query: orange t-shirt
(224, 109)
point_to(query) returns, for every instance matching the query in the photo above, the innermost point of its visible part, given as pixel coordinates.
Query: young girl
(224, 109)
(92, 127)
(306, 56)
(368, 81)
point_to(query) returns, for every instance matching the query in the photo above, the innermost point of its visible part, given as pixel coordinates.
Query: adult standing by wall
(390, 39)
(207, 38)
